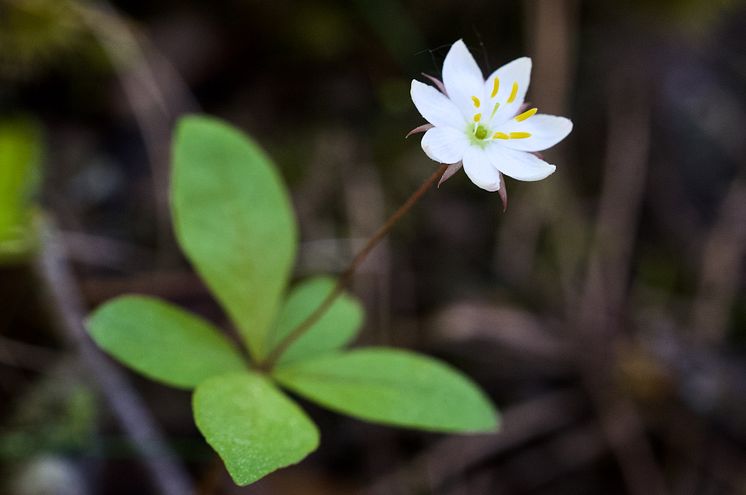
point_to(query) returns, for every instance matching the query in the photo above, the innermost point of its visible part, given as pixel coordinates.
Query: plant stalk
(271, 360)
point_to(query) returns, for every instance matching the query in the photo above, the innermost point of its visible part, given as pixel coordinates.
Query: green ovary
(481, 132)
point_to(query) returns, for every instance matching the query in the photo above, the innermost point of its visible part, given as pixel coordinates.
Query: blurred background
(604, 312)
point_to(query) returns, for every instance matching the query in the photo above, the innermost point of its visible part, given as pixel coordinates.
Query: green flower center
(481, 132)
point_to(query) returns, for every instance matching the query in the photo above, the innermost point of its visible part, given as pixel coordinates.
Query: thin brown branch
(625, 172)
(604, 295)
(68, 311)
(143, 73)
(26, 356)
(722, 262)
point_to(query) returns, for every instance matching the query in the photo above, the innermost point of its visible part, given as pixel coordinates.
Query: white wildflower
(484, 124)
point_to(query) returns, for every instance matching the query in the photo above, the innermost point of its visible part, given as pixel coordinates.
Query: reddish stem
(271, 360)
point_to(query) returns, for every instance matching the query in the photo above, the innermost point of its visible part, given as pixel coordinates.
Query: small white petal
(479, 169)
(444, 144)
(545, 130)
(517, 72)
(463, 80)
(435, 106)
(519, 164)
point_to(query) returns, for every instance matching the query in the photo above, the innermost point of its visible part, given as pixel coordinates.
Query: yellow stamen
(494, 110)
(500, 135)
(513, 93)
(477, 117)
(527, 114)
(495, 86)
(520, 135)
(476, 101)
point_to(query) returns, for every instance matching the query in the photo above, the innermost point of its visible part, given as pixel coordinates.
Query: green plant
(20, 170)
(234, 220)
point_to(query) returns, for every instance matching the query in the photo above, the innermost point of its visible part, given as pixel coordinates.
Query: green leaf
(163, 341)
(235, 222)
(393, 387)
(20, 169)
(254, 427)
(336, 327)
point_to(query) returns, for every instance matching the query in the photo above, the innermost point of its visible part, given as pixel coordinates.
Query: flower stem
(344, 279)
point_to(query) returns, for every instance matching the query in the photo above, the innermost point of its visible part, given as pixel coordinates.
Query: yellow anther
(476, 101)
(477, 117)
(520, 135)
(513, 93)
(495, 86)
(527, 114)
(500, 135)
(494, 110)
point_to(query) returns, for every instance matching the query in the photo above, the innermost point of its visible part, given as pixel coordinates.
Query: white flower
(482, 124)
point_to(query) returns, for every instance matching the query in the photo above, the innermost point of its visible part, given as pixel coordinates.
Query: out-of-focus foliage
(692, 13)
(34, 33)
(48, 474)
(20, 169)
(59, 416)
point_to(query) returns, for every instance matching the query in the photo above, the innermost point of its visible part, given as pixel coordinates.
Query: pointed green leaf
(394, 387)
(254, 427)
(162, 341)
(234, 220)
(334, 329)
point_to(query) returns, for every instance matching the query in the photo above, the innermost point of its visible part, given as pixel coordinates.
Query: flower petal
(444, 144)
(463, 80)
(479, 169)
(514, 78)
(519, 165)
(435, 106)
(545, 130)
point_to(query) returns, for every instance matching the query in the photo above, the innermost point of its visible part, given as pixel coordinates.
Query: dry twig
(68, 311)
